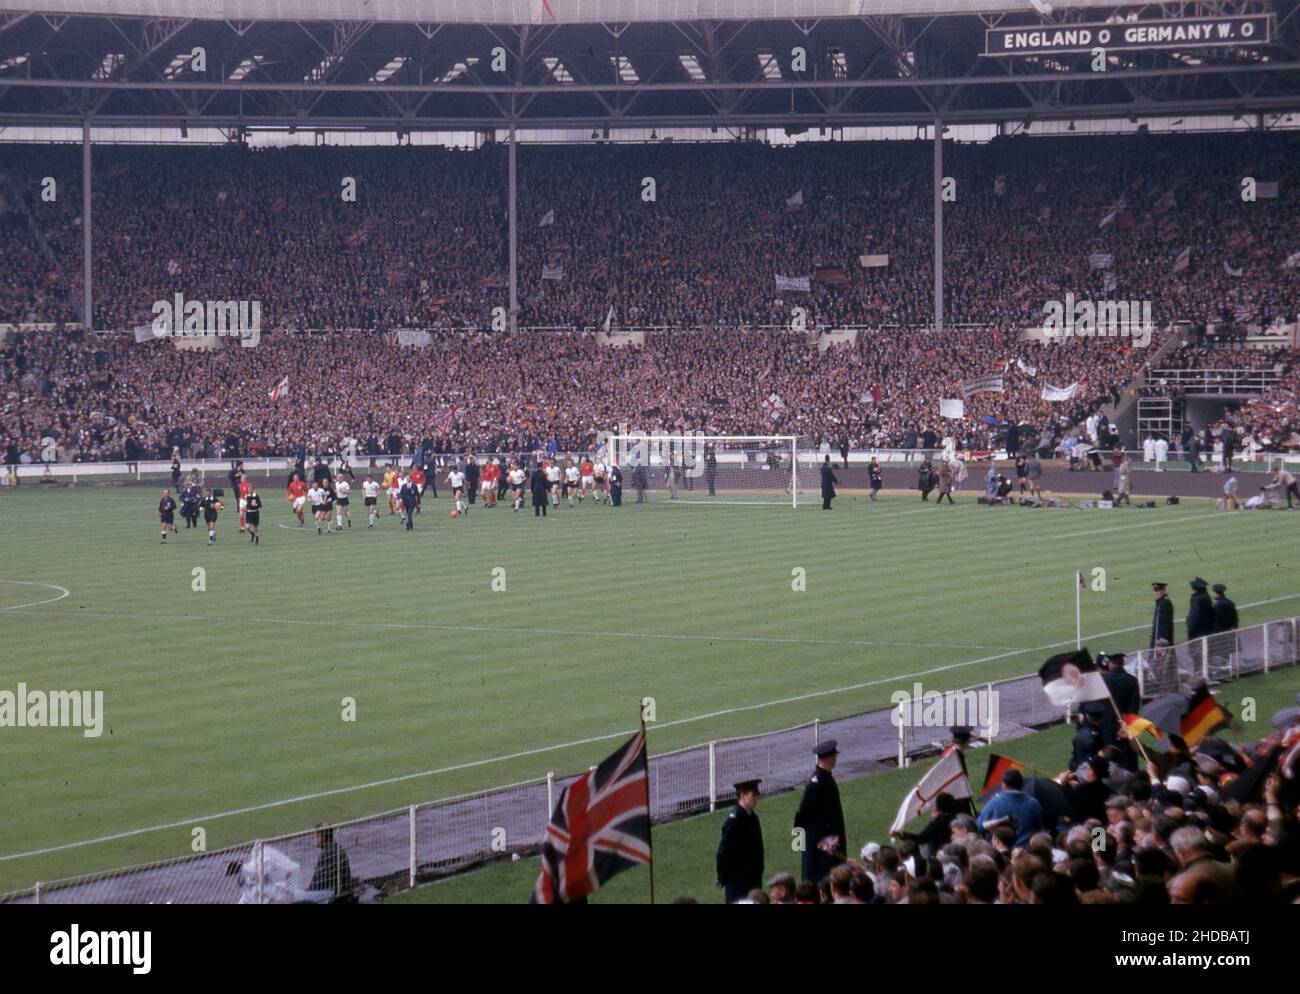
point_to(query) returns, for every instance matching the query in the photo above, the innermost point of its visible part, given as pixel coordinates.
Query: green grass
(230, 698)
(684, 850)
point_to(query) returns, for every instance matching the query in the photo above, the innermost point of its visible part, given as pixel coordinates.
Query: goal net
(717, 469)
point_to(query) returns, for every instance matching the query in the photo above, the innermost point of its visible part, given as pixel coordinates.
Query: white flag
(1053, 394)
(609, 318)
(944, 777)
(796, 200)
(952, 408)
(1101, 260)
(552, 272)
(1025, 368)
(281, 389)
(1292, 261)
(547, 218)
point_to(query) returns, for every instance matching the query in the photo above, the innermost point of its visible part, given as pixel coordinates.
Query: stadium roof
(410, 65)
(520, 11)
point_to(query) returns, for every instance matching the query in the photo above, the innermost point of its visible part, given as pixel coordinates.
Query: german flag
(998, 765)
(1204, 716)
(1137, 725)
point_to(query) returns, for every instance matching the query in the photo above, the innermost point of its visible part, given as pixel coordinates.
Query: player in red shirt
(297, 496)
(488, 482)
(418, 480)
(245, 488)
(588, 478)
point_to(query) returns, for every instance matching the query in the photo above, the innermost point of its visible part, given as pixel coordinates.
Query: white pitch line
(64, 592)
(1146, 524)
(581, 742)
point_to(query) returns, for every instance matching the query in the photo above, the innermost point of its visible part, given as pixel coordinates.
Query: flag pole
(1078, 609)
(649, 820)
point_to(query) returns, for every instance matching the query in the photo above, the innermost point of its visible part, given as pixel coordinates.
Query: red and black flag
(998, 765)
(601, 827)
(1071, 678)
(1204, 716)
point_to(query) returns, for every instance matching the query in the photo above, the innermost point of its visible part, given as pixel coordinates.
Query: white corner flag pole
(1078, 610)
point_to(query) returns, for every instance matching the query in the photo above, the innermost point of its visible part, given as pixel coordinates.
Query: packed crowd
(424, 244)
(107, 397)
(1210, 824)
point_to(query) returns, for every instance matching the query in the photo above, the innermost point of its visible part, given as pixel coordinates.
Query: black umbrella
(1051, 797)
(1167, 712)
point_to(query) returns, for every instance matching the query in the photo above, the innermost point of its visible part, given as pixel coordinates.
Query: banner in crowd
(947, 776)
(1025, 368)
(1054, 394)
(1180, 263)
(409, 338)
(793, 283)
(1109, 281)
(982, 384)
(552, 272)
(1292, 261)
(831, 274)
(1101, 260)
(874, 261)
(144, 333)
(1266, 191)
(952, 408)
(547, 218)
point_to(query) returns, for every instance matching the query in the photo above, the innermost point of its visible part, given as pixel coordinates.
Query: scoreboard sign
(1183, 33)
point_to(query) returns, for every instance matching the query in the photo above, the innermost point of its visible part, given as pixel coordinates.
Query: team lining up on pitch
(329, 495)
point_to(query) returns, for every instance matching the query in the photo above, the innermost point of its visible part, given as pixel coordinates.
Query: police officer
(711, 468)
(615, 486)
(829, 479)
(1225, 612)
(822, 818)
(1200, 612)
(1122, 684)
(740, 850)
(1162, 624)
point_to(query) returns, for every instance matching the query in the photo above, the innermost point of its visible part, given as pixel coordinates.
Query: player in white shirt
(516, 478)
(370, 492)
(456, 480)
(342, 488)
(553, 478)
(570, 480)
(316, 498)
(598, 472)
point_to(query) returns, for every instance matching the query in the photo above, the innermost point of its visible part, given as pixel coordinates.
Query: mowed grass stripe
(252, 713)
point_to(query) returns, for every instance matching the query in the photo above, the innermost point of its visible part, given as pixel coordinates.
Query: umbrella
(1166, 712)
(1286, 717)
(1051, 797)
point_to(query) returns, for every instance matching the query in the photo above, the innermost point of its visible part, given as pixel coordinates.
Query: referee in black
(540, 488)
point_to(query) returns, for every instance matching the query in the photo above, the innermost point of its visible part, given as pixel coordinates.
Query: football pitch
(224, 706)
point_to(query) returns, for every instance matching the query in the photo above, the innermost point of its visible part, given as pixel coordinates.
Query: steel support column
(938, 225)
(87, 296)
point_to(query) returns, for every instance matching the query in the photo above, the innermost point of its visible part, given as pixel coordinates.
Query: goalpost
(696, 468)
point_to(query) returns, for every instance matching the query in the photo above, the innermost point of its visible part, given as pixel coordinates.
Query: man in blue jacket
(1012, 801)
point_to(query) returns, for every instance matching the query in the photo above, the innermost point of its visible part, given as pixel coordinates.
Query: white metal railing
(1215, 380)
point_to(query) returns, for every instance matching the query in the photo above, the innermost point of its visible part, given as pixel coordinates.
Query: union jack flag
(601, 827)
(281, 389)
